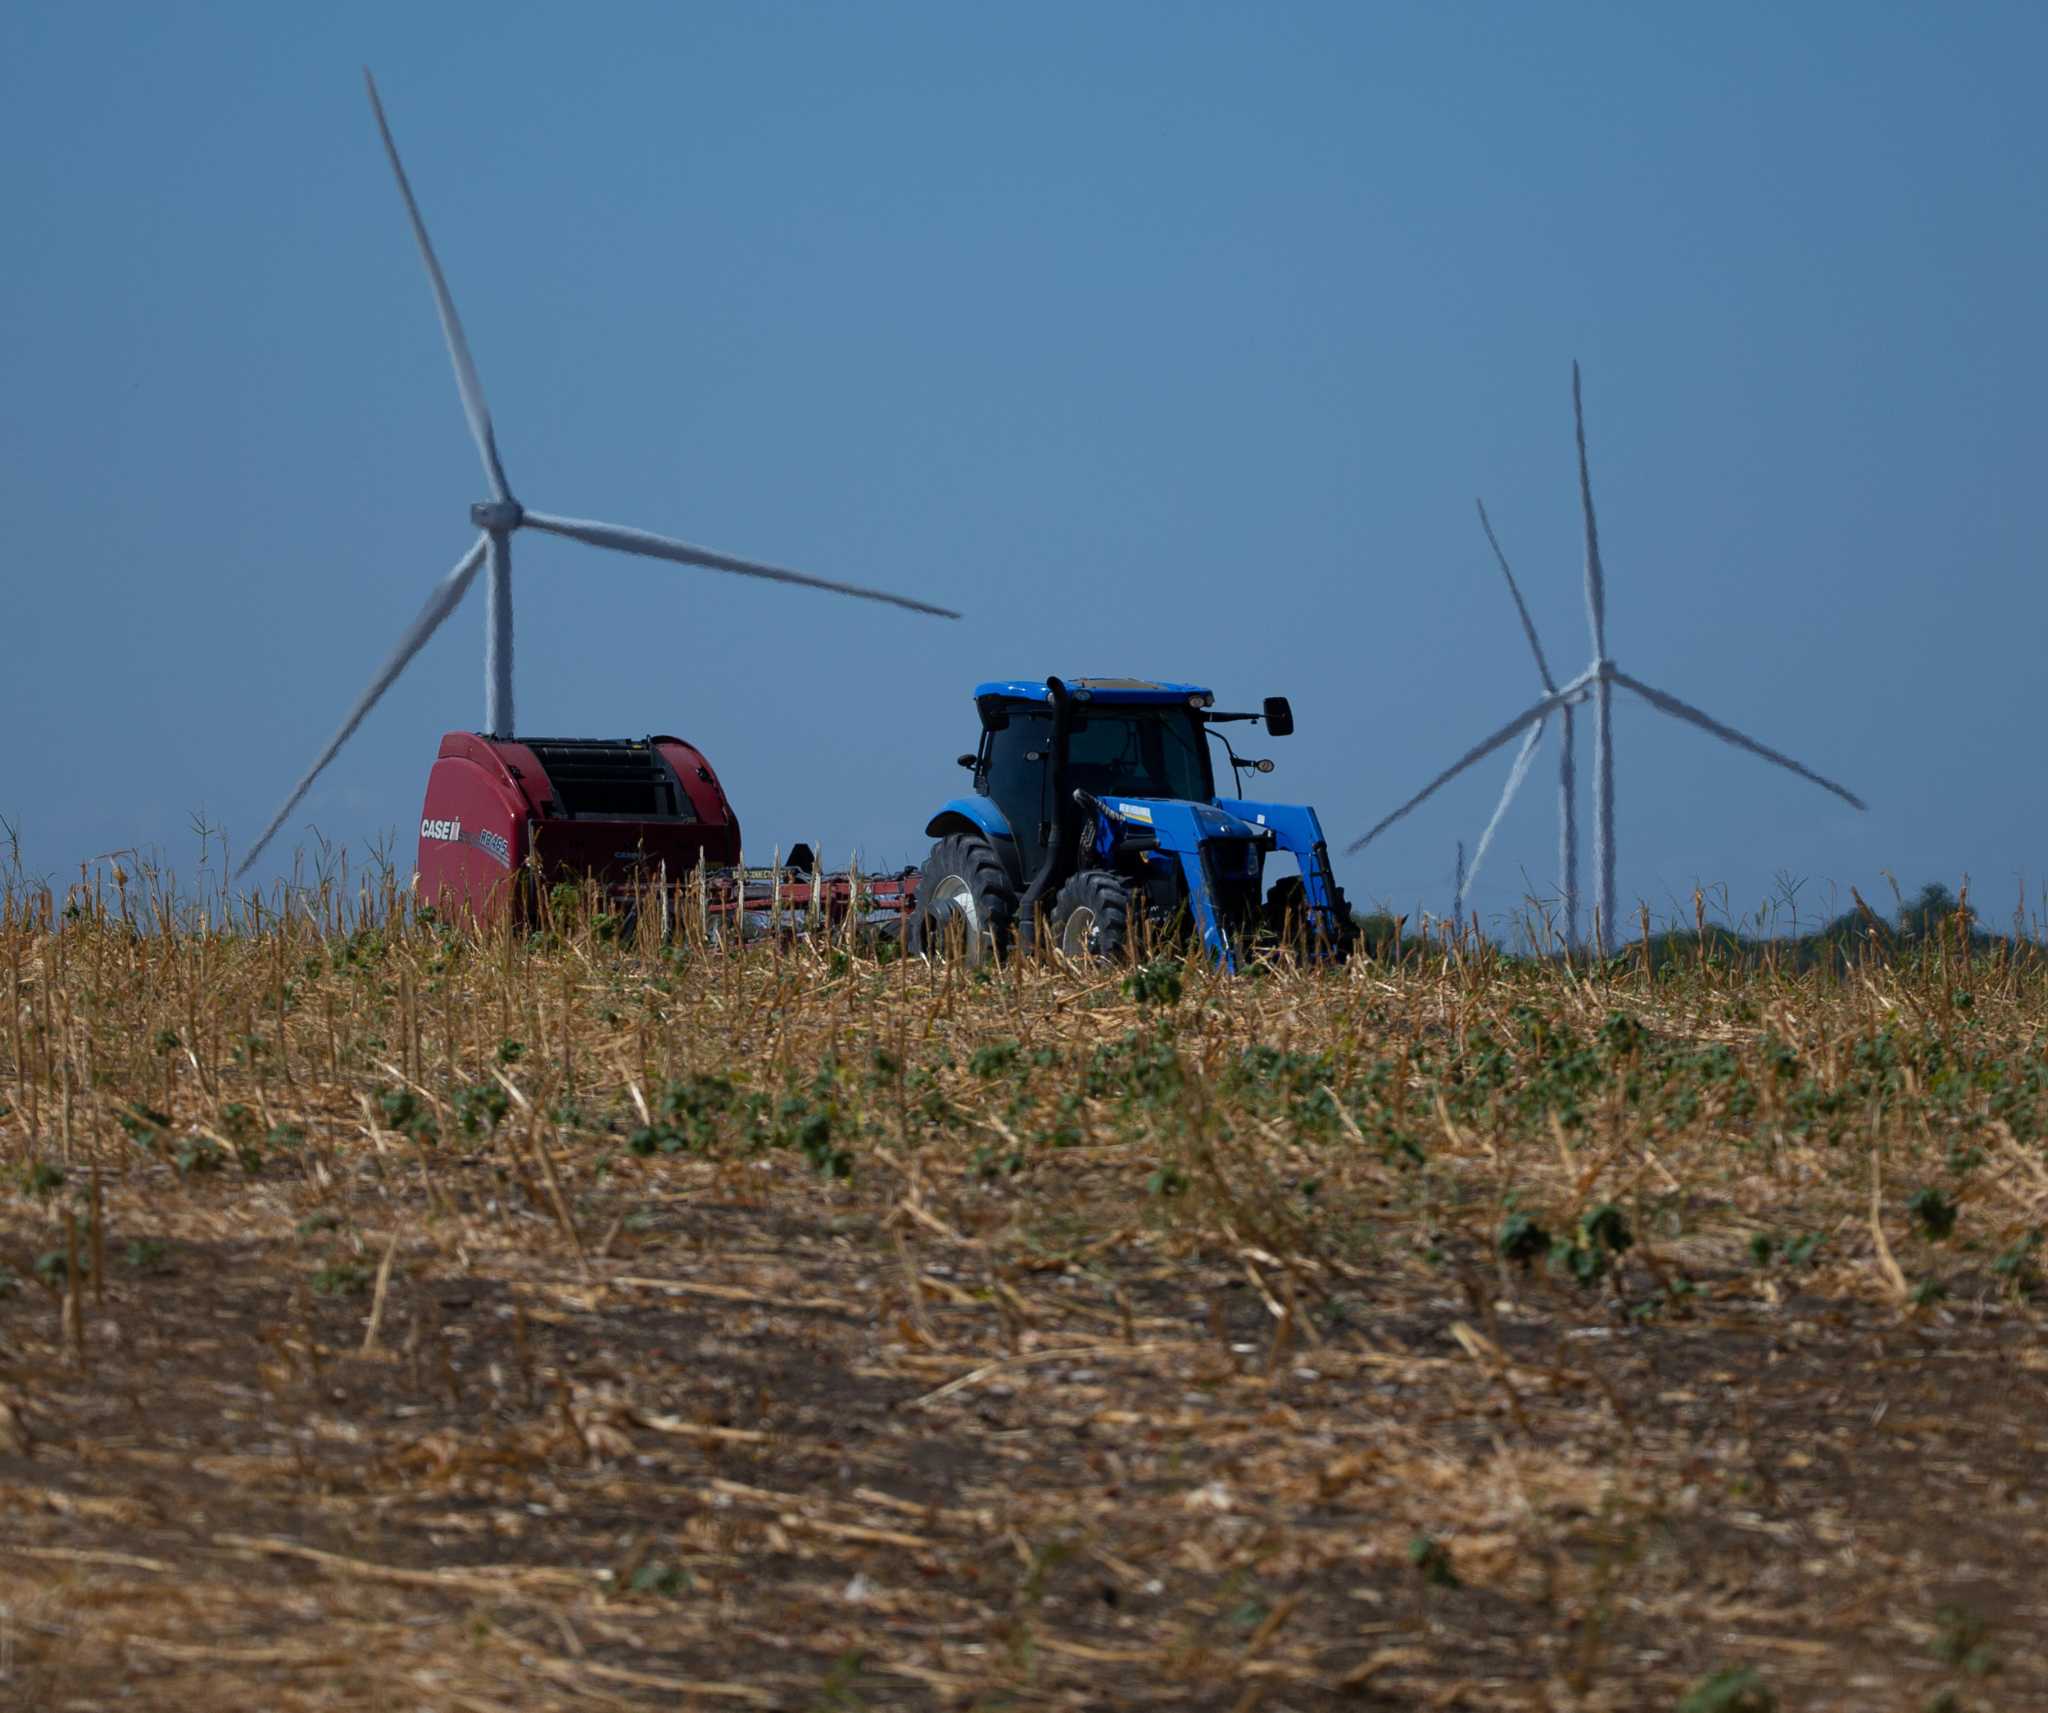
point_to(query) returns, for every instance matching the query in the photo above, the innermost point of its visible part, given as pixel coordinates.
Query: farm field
(395, 1318)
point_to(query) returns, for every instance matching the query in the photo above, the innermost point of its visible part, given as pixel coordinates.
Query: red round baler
(626, 812)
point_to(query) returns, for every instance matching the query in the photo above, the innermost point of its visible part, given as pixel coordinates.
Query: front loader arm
(1202, 901)
(1297, 829)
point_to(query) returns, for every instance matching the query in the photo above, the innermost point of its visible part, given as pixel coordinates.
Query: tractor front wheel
(1091, 917)
(966, 904)
(1288, 919)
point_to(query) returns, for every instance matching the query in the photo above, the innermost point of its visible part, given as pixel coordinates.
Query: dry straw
(1450, 1328)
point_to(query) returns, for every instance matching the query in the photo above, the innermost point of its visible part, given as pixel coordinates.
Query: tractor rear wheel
(966, 904)
(1289, 920)
(1091, 917)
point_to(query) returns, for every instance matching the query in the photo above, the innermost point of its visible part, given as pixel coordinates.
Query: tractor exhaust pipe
(1062, 813)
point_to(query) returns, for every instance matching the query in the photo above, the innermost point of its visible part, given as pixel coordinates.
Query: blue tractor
(1095, 816)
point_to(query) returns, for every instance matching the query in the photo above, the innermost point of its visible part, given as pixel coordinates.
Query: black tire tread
(1105, 894)
(974, 860)
(1287, 915)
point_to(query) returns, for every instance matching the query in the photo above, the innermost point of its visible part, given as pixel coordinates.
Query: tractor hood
(1180, 825)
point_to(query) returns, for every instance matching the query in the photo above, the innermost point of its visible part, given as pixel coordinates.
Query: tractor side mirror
(966, 761)
(1279, 717)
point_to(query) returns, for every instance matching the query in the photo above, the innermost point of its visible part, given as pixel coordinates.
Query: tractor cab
(1123, 739)
(1095, 806)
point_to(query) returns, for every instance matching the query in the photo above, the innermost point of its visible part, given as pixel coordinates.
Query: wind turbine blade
(1596, 579)
(1728, 734)
(472, 389)
(667, 547)
(446, 597)
(1521, 606)
(1478, 752)
(1516, 774)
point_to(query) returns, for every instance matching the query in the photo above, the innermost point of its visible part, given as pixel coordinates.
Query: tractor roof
(1143, 690)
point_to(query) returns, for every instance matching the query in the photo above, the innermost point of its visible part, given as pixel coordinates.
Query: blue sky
(1163, 339)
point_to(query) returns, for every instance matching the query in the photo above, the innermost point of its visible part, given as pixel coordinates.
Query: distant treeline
(1934, 923)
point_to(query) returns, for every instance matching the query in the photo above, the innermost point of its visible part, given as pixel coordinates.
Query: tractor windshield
(1139, 752)
(1113, 752)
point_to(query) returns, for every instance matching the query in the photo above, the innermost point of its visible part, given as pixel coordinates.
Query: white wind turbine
(497, 518)
(1597, 682)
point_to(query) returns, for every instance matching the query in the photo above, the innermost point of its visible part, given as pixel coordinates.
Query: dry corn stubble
(479, 1322)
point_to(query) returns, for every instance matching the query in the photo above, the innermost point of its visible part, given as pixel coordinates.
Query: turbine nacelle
(497, 517)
